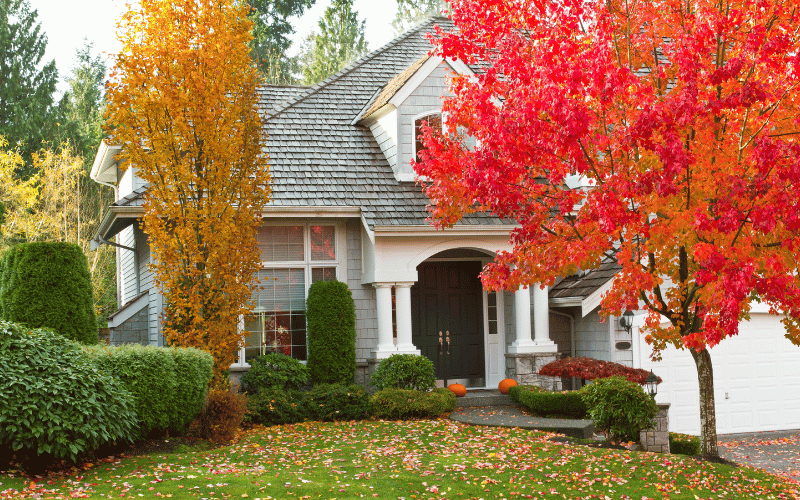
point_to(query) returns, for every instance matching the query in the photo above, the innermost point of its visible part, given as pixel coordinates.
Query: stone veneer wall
(132, 331)
(657, 438)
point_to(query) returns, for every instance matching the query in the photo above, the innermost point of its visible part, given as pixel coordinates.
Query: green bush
(404, 371)
(683, 444)
(619, 408)
(54, 401)
(274, 406)
(394, 404)
(331, 326)
(329, 402)
(549, 404)
(48, 285)
(168, 384)
(221, 416)
(274, 370)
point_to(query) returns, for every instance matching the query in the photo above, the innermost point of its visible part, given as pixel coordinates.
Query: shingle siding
(363, 295)
(591, 337)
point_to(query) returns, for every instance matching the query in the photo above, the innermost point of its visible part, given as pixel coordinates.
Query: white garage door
(756, 380)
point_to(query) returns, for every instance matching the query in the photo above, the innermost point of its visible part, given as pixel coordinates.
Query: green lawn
(405, 460)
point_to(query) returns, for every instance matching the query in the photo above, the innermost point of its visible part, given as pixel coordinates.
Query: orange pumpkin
(458, 389)
(506, 384)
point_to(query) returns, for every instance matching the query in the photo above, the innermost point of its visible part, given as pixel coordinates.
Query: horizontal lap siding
(127, 265)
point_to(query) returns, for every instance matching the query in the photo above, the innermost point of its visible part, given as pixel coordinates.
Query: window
(434, 121)
(292, 258)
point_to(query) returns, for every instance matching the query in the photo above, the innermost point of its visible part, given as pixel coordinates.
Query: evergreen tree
(340, 40)
(26, 91)
(412, 12)
(271, 31)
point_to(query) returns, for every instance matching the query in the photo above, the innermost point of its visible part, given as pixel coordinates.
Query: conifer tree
(340, 41)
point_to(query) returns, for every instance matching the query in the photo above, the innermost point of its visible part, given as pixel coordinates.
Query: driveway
(775, 452)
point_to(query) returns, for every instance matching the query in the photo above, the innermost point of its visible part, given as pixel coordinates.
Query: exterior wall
(127, 267)
(385, 132)
(132, 331)
(426, 97)
(561, 335)
(363, 295)
(622, 354)
(591, 337)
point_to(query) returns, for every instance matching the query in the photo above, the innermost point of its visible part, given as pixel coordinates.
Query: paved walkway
(774, 452)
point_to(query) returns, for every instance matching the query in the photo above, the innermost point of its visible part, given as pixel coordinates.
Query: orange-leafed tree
(680, 121)
(182, 102)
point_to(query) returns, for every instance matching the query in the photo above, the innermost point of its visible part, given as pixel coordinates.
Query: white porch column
(541, 319)
(403, 306)
(522, 322)
(383, 296)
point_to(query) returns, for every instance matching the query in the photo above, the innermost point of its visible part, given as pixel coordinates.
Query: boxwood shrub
(54, 401)
(48, 285)
(275, 406)
(404, 371)
(619, 408)
(543, 403)
(274, 370)
(168, 384)
(395, 404)
(683, 444)
(331, 327)
(328, 402)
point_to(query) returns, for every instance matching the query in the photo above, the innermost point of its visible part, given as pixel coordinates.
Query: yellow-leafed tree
(182, 103)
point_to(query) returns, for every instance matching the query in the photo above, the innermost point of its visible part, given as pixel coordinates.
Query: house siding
(426, 97)
(363, 295)
(591, 337)
(132, 331)
(560, 334)
(127, 265)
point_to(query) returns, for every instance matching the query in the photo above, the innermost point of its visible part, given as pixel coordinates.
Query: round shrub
(54, 401)
(404, 371)
(274, 370)
(395, 404)
(220, 418)
(331, 325)
(684, 444)
(48, 285)
(275, 406)
(619, 408)
(328, 402)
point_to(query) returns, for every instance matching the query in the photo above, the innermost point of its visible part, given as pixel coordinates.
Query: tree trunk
(708, 415)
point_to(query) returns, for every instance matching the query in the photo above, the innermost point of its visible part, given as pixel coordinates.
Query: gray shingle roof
(319, 158)
(134, 199)
(581, 286)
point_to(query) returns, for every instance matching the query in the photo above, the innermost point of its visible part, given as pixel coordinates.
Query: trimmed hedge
(169, 384)
(619, 407)
(274, 370)
(404, 371)
(328, 402)
(54, 401)
(331, 326)
(543, 403)
(683, 444)
(275, 406)
(396, 404)
(48, 285)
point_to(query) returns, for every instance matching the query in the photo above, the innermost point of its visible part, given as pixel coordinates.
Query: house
(346, 206)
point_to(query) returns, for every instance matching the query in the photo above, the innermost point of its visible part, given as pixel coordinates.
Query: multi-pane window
(434, 121)
(491, 303)
(293, 257)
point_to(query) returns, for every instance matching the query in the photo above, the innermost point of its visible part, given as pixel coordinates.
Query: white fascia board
(104, 168)
(385, 110)
(593, 301)
(422, 73)
(309, 211)
(565, 302)
(453, 231)
(129, 310)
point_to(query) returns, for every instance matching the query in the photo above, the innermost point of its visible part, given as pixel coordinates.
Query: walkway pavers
(513, 416)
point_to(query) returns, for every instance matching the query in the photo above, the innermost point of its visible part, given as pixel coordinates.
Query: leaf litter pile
(427, 459)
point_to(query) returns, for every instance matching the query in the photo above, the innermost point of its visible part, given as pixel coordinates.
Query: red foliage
(590, 369)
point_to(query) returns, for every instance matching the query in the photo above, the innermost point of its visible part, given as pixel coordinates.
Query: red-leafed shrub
(221, 417)
(591, 369)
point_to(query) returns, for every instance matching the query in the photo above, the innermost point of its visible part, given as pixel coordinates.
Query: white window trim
(307, 264)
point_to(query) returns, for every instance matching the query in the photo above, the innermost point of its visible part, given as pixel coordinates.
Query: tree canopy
(26, 86)
(676, 122)
(340, 41)
(412, 12)
(182, 103)
(271, 31)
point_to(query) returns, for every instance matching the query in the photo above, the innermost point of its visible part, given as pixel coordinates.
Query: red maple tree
(661, 135)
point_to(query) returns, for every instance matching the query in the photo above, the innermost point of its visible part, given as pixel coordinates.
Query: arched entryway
(448, 315)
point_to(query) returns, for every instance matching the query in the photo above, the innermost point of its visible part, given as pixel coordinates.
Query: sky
(66, 23)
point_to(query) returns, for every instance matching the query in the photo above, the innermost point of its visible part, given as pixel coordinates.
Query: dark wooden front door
(447, 298)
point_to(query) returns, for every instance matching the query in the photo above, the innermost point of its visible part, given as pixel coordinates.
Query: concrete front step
(483, 397)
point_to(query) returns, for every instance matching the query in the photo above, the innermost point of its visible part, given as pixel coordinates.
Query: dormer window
(434, 120)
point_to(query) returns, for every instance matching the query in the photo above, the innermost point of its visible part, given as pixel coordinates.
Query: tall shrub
(331, 324)
(48, 285)
(54, 401)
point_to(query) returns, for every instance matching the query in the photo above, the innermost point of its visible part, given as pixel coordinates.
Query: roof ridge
(353, 65)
